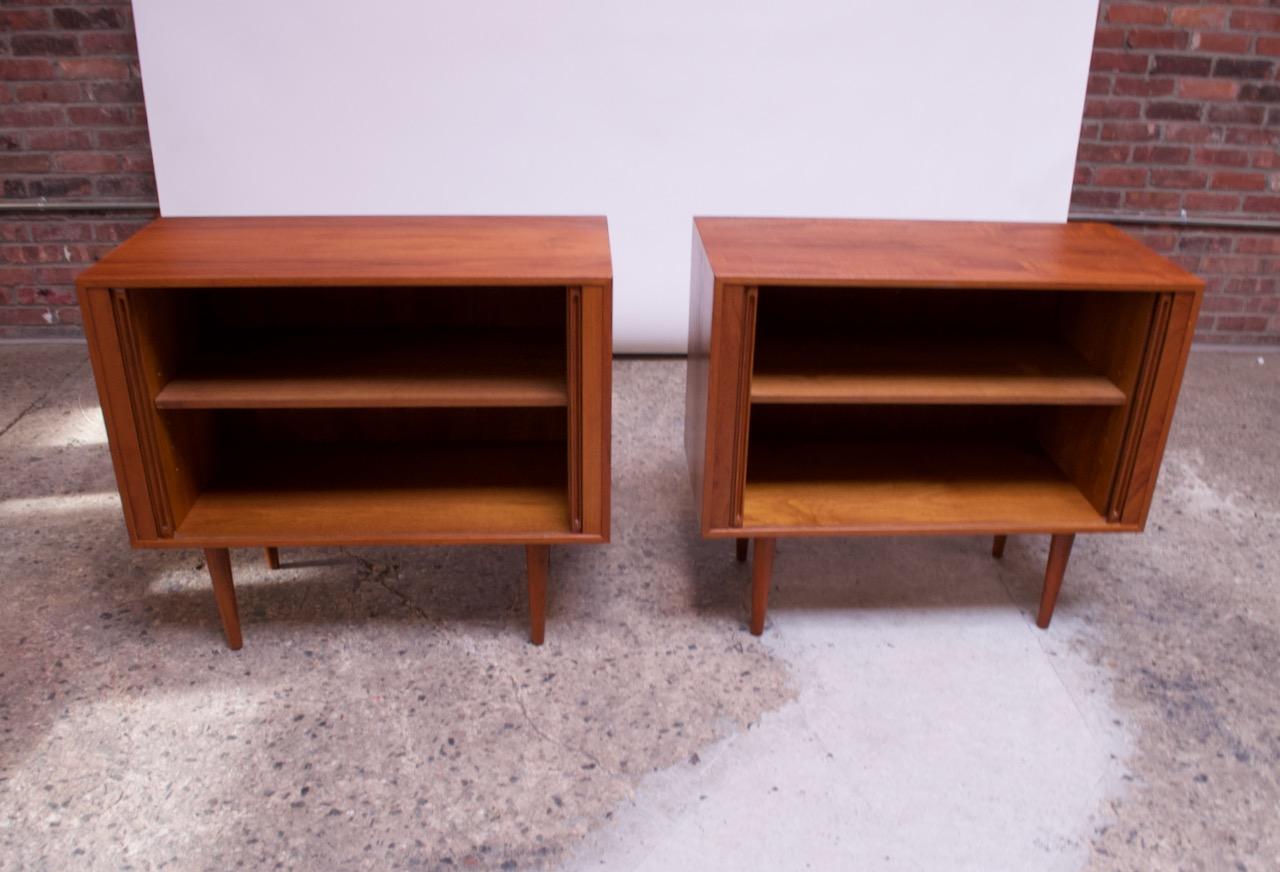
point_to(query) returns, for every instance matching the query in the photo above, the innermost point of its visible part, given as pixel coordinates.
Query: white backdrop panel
(648, 111)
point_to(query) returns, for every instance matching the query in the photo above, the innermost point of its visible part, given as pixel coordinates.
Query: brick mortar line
(1235, 224)
(36, 206)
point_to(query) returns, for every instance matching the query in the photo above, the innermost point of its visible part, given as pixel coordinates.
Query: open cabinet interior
(379, 346)
(940, 409)
(300, 415)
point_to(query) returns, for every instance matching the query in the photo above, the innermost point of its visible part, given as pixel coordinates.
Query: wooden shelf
(927, 372)
(917, 486)
(372, 494)
(491, 368)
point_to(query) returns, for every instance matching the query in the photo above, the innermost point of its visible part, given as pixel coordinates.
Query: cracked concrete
(32, 373)
(386, 711)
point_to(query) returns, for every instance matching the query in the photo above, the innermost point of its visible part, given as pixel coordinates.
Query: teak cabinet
(894, 377)
(357, 381)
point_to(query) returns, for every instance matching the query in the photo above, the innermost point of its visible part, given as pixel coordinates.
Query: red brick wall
(1183, 119)
(72, 130)
(1183, 113)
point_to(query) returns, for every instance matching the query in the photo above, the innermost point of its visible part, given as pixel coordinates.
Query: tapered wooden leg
(997, 546)
(224, 593)
(538, 558)
(742, 549)
(761, 573)
(1059, 551)
(273, 558)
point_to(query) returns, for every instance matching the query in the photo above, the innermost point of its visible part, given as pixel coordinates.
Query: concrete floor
(901, 711)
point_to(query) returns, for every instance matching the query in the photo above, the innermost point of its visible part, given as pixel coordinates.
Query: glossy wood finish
(350, 495)
(538, 561)
(224, 594)
(573, 369)
(934, 486)
(273, 558)
(930, 372)
(1059, 552)
(326, 381)
(724, 381)
(107, 360)
(440, 371)
(382, 251)
(929, 377)
(594, 394)
(761, 575)
(931, 254)
(1175, 326)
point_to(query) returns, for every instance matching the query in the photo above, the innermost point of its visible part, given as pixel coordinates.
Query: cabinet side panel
(606, 409)
(727, 395)
(701, 300)
(573, 378)
(1159, 417)
(117, 411)
(184, 446)
(1112, 333)
(742, 407)
(597, 370)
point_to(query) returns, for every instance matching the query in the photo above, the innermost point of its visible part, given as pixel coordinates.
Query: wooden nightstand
(357, 381)
(852, 378)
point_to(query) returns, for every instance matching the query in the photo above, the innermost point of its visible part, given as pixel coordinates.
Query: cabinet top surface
(239, 252)
(946, 254)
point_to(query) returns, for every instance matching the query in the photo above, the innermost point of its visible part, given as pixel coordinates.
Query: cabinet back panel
(378, 307)
(785, 311)
(862, 423)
